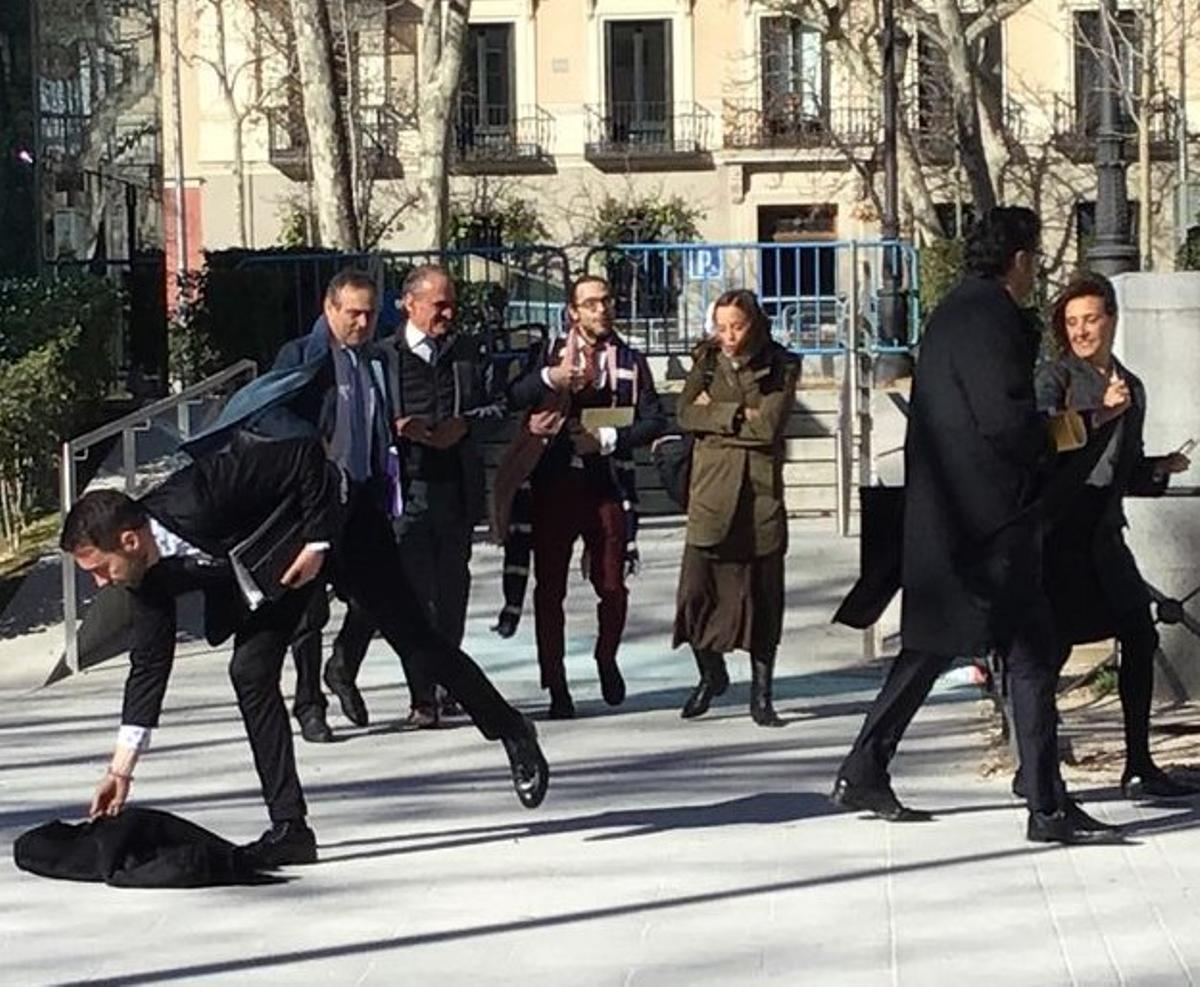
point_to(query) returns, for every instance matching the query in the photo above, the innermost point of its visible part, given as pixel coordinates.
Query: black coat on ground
(1091, 576)
(973, 453)
(140, 848)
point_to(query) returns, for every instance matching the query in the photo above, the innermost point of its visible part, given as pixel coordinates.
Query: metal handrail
(126, 426)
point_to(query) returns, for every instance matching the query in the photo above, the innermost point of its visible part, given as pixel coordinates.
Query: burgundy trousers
(567, 507)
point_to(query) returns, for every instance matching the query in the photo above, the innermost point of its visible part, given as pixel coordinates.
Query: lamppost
(892, 311)
(1112, 252)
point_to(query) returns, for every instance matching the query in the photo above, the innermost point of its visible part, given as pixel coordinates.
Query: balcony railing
(931, 123)
(502, 138)
(378, 129)
(651, 134)
(1077, 124)
(789, 120)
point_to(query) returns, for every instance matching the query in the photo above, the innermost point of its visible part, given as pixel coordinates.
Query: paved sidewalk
(666, 852)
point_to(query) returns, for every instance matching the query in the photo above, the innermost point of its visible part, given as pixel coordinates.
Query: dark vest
(432, 392)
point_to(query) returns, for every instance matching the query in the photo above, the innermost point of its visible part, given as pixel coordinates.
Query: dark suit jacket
(462, 359)
(1091, 576)
(297, 398)
(213, 504)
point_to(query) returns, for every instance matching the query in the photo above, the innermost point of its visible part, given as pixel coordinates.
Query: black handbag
(672, 453)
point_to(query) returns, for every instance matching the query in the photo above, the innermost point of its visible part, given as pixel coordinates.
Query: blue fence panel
(663, 291)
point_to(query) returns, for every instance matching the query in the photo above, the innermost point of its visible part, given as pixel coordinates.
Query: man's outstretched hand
(110, 796)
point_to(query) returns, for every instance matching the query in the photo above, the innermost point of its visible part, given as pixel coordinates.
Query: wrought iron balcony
(1077, 125)
(378, 129)
(930, 120)
(789, 120)
(502, 139)
(660, 136)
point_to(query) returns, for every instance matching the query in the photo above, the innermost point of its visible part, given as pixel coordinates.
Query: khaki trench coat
(738, 463)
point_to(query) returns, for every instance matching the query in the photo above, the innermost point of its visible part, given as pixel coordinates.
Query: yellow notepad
(594, 419)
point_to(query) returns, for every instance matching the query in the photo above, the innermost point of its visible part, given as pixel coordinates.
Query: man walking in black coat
(971, 568)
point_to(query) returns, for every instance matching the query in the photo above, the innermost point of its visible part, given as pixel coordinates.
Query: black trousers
(259, 647)
(368, 572)
(306, 655)
(435, 552)
(1034, 658)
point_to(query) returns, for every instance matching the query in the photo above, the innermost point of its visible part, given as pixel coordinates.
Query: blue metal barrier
(811, 290)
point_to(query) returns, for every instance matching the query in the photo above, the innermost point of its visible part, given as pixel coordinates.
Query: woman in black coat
(1095, 589)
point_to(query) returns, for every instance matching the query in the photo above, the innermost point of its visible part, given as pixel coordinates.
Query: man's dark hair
(582, 280)
(418, 275)
(1088, 284)
(998, 237)
(98, 518)
(350, 277)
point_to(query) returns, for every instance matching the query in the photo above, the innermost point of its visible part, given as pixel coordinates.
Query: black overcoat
(1091, 577)
(974, 451)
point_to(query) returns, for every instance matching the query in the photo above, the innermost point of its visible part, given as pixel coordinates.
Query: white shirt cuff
(317, 546)
(546, 377)
(133, 737)
(607, 435)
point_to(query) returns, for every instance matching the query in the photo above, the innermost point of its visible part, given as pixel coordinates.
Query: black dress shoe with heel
(354, 708)
(880, 800)
(530, 772)
(287, 842)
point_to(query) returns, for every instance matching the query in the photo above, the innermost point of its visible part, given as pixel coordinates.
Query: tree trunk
(325, 124)
(443, 40)
(237, 117)
(1145, 92)
(959, 60)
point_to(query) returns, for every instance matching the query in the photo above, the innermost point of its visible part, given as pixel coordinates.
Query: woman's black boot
(714, 680)
(762, 675)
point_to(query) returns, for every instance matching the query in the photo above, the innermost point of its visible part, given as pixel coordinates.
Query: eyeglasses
(595, 303)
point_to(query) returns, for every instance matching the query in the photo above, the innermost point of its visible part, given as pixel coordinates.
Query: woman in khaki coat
(736, 403)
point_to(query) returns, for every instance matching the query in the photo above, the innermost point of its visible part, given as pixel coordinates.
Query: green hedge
(56, 345)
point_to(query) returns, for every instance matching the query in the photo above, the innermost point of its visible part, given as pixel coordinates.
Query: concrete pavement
(666, 852)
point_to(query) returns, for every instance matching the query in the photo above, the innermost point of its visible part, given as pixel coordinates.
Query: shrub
(56, 364)
(941, 265)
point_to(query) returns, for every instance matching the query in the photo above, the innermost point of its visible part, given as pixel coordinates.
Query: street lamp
(1112, 252)
(894, 41)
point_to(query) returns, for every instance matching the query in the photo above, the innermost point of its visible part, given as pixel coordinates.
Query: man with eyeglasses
(590, 405)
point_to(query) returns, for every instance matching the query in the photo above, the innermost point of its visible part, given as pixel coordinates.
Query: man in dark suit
(339, 393)
(177, 539)
(971, 565)
(583, 483)
(438, 392)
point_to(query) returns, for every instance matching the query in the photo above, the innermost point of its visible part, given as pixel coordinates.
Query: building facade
(766, 124)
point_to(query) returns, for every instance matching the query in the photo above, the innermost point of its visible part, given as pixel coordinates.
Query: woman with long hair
(736, 403)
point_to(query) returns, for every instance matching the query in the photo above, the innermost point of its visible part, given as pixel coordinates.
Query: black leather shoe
(314, 728)
(530, 772)
(351, 700)
(612, 685)
(709, 687)
(290, 842)
(1063, 826)
(1155, 783)
(881, 801)
(562, 706)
